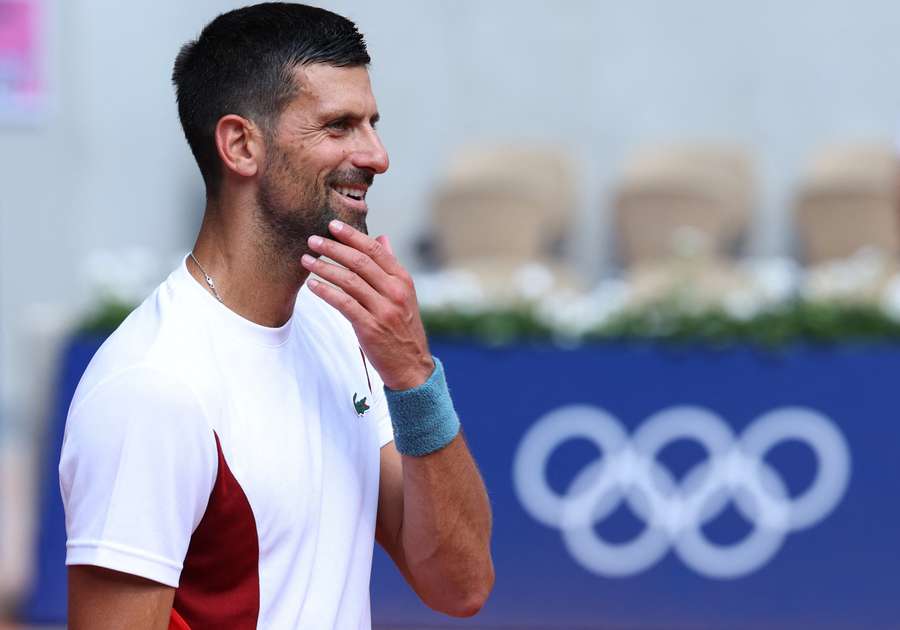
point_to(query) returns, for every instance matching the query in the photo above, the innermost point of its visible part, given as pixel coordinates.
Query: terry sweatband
(423, 417)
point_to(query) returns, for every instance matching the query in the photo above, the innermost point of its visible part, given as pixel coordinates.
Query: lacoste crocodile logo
(360, 405)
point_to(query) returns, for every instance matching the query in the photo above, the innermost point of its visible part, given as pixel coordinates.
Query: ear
(239, 143)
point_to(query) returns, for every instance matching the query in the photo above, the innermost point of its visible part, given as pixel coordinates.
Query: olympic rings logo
(675, 510)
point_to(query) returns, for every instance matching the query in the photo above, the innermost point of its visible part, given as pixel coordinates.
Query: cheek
(299, 180)
(303, 172)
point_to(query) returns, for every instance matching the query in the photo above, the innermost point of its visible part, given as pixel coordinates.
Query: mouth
(352, 195)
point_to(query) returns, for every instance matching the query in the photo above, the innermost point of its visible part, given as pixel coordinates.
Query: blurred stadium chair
(848, 200)
(477, 221)
(500, 208)
(546, 173)
(683, 197)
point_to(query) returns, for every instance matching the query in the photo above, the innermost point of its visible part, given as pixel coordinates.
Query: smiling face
(321, 157)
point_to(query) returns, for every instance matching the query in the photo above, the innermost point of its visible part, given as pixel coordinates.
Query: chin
(355, 220)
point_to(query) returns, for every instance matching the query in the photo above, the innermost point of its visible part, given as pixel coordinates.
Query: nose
(371, 154)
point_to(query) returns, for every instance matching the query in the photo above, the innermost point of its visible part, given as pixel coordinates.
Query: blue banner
(651, 487)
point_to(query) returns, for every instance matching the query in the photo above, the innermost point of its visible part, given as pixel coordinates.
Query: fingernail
(315, 241)
(312, 283)
(307, 260)
(336, 226)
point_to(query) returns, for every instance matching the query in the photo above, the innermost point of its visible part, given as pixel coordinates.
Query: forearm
(446, 529)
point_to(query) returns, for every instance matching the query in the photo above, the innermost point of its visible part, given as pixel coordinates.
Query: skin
(261, 236)
(100, 598)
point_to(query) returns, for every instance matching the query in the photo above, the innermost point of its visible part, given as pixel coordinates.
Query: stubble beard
(287, 218)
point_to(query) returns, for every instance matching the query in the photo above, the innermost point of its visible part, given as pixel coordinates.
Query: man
(236, 445)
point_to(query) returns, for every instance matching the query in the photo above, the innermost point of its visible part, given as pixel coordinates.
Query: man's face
(321, 157)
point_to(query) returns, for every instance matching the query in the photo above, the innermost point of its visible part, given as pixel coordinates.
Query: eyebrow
(345, 115)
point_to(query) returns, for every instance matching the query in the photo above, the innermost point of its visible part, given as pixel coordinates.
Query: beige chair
(489, 221)
(499, 209)
(511, 203)
(683, 200)
(544, 174)
(848, 200)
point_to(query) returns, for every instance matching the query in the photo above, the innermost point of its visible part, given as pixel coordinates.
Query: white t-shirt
(236, 462)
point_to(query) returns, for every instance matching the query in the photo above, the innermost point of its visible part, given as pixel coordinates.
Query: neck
(252, 280)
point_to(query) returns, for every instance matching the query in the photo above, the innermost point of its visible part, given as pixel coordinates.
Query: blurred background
(563, 171)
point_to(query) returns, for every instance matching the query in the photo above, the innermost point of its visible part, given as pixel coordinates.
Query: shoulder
(140, 406)
(141, 383)
(138, 426)
(145, 358)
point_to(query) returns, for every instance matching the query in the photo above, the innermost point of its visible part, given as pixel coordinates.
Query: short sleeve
(138, 464)
(383, 424)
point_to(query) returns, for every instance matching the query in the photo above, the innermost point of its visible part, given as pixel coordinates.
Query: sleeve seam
(124, 550)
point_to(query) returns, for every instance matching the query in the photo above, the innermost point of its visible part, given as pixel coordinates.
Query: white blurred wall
(108, 167)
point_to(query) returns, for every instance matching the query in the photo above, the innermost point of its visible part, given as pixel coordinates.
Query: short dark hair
(243, 64)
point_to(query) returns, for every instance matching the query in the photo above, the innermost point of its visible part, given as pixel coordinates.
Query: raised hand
(376, 294)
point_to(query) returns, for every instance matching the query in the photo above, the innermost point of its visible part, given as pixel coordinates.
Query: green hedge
(795, 321)
(791, 322)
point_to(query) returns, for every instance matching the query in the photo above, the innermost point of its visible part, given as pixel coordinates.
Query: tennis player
(236, 446)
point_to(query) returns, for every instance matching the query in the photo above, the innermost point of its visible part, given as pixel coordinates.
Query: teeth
(353, 193)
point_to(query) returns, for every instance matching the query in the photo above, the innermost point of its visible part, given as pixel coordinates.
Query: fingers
(371, 247)
(383, 239)
(352, 259)
(372, 259)
(343, 302)
(346, 279)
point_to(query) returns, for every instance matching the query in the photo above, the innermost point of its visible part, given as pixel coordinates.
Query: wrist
(414, 376)
(423, 417)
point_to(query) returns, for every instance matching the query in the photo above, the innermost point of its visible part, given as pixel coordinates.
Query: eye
(341, 124)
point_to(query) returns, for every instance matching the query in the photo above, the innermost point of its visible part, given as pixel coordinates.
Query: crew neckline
(243, 327)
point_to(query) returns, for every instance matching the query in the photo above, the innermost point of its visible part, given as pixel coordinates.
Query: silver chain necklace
(209, 280)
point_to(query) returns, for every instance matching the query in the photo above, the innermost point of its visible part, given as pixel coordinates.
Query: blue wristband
(423, 417)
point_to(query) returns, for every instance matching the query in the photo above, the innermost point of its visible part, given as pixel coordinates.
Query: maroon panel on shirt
(176, 622)
(219, 587)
